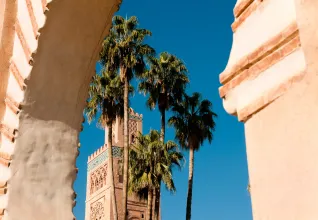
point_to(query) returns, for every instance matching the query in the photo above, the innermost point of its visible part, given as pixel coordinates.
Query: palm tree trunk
(149, 206)
(154, 198)
(126, 146)
(111, 172)
(190, 183)
(158, 191)
(163, 125)
(157, 202)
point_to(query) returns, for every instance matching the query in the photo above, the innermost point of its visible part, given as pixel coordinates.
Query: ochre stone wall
(271, 84)
(47, 57)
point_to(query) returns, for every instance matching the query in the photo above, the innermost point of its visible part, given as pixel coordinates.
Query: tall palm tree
(124, 50)
(106, 97)
(194, 123)
(141, 172)
(165, 83)
(151, 162)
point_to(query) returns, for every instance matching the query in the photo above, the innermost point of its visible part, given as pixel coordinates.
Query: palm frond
(151, 162)
(165, 81)
(193, 120)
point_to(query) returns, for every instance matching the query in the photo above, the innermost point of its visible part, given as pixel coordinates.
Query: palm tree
(106, 97)
(124, 50)
(151, 162)
(141, 174)
(194, 123)
(165, 83)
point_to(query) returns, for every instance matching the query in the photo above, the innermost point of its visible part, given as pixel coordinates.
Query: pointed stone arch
(48, 53)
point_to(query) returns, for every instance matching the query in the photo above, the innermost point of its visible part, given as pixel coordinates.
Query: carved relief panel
(98, 178)
(97, 211)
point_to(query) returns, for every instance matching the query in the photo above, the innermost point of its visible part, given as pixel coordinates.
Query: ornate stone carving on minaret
(97, 211)
(98, 203)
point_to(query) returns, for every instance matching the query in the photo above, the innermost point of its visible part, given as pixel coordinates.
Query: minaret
(98, 202)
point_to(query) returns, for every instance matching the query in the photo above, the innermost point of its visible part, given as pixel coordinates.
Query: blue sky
(199, 33)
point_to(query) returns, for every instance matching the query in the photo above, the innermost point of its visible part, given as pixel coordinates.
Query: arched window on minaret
(101, 181)
(92, 185)
(96, 184)
(104, 173)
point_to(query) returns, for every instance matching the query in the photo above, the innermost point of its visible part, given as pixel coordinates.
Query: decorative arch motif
(97, 211)
(132, 130)
(98, 178)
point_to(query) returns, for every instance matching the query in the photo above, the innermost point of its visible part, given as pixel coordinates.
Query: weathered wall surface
(47, 60)
(8, 14)
(271, 84)
(2, 9)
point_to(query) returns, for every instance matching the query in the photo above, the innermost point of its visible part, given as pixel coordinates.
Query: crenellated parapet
(101, 155)
(97, 153)
(134, 115)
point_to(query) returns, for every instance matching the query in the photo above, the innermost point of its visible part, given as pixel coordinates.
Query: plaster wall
(47, 76)
(260, 26)
(250, 90)
(2, 9)
(282, 139)
(264, 23)
(8, 11)
(281, 136)
(24, 19)
(282, 155)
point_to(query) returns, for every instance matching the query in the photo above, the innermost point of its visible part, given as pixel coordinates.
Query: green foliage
(124, 49)
(193, 120)
(151, 162)
(125, 55)
(105, 97)
(194, 123)
(165, 81)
